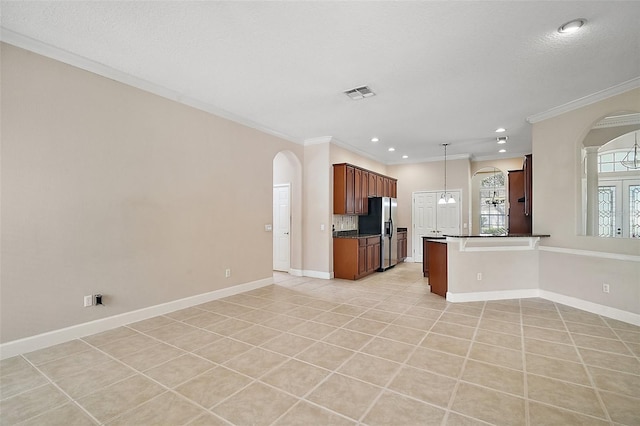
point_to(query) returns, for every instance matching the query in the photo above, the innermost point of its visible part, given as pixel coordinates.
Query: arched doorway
(287, 213)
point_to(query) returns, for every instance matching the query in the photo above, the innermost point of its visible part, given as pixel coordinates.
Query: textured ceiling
(443, 71)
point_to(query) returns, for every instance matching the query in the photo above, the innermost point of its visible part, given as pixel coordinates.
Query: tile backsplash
(345, 222)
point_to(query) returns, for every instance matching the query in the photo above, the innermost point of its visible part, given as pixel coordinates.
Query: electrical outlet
(479, 276)
(88, 301)
(227, 273)
(605, 288)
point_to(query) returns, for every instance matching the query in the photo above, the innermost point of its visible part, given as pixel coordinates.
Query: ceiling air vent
(359, 93)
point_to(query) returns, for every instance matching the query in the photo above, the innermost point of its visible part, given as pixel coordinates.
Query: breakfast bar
(465, 268)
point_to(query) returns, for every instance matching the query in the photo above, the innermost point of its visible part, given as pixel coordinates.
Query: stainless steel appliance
(382, 219)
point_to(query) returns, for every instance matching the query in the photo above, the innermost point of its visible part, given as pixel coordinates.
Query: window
(619, 208)
(492, 205)
(610, 161)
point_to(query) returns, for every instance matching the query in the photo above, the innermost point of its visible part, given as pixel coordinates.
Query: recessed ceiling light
(405, 156)
(502, 139)
(500, 130)
(572, 26)
(502, 150)
(391, 149)
(374, 139)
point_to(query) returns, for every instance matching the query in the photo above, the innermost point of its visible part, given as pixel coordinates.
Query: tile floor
(379, 351)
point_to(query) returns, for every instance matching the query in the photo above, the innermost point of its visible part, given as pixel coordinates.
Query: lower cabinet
(434, 261)
(402, 246)
(354, 258)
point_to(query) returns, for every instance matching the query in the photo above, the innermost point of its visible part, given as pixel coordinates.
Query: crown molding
(618, 121)
(504, 156)
(634, 83)
(69, 58)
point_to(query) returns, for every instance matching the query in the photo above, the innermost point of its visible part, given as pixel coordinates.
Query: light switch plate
(268, 227)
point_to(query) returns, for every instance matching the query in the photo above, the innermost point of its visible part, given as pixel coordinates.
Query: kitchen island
(465, 268)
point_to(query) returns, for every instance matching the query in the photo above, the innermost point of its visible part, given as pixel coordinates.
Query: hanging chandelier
(443, 198)
(631, 160)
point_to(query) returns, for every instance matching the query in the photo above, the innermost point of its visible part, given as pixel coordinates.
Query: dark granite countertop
(352, 234)
(487, 236)
(499, 236)
(402, 229)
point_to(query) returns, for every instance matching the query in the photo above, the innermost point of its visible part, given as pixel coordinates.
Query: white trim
(504, 156)
(86, 64)
(32, 343)
(480, 296)
(296, 272)
(634, 83)
(599, 254)
(410, 260)
(317, 274)
(594, 308)
(493, 243)
(618, 120)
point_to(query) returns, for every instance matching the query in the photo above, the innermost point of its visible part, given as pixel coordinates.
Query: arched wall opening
(287, 172)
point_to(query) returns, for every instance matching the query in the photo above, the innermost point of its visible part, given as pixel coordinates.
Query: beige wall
(557, 204)
(501, 270)
(317, 210)
(106, 188)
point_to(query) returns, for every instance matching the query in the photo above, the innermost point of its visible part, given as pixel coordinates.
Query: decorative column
(591, 161)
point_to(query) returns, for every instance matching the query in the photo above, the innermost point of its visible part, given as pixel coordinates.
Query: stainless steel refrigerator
(382, 219)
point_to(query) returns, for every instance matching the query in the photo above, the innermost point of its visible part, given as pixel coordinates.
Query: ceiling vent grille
(359, 93)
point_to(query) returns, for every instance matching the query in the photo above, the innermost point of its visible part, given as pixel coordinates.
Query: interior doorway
(431, 219)
(287, 213)
(282, 227)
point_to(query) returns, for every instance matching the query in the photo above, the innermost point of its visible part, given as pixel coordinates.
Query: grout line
(585, 367)
(454, 392)
(525, 382)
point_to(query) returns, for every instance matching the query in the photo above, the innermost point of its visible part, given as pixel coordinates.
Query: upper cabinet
(352, 186)
(520, 198)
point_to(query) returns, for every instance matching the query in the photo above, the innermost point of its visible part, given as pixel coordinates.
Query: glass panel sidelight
(606, 211)
(634, 211)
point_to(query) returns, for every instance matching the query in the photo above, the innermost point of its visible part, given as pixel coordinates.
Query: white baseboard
(40, 341)
(296, 272)
(317, 274)
(409, 260)
(482, 296)
(594, 308)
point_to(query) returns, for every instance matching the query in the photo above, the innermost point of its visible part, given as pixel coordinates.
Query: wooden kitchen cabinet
(352, 187)
(393, 188)
(437, 267)
(354, 258)
(519, 222)
(361, 199)
(402, 245)
(373, 179)
(380, 186)
(527, 168)
(344, 189)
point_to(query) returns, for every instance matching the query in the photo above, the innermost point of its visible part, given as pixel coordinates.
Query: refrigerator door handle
(390, 227)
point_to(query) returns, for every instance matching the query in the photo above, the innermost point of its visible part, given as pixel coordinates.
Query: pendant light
(444, 199)
(631, 160)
